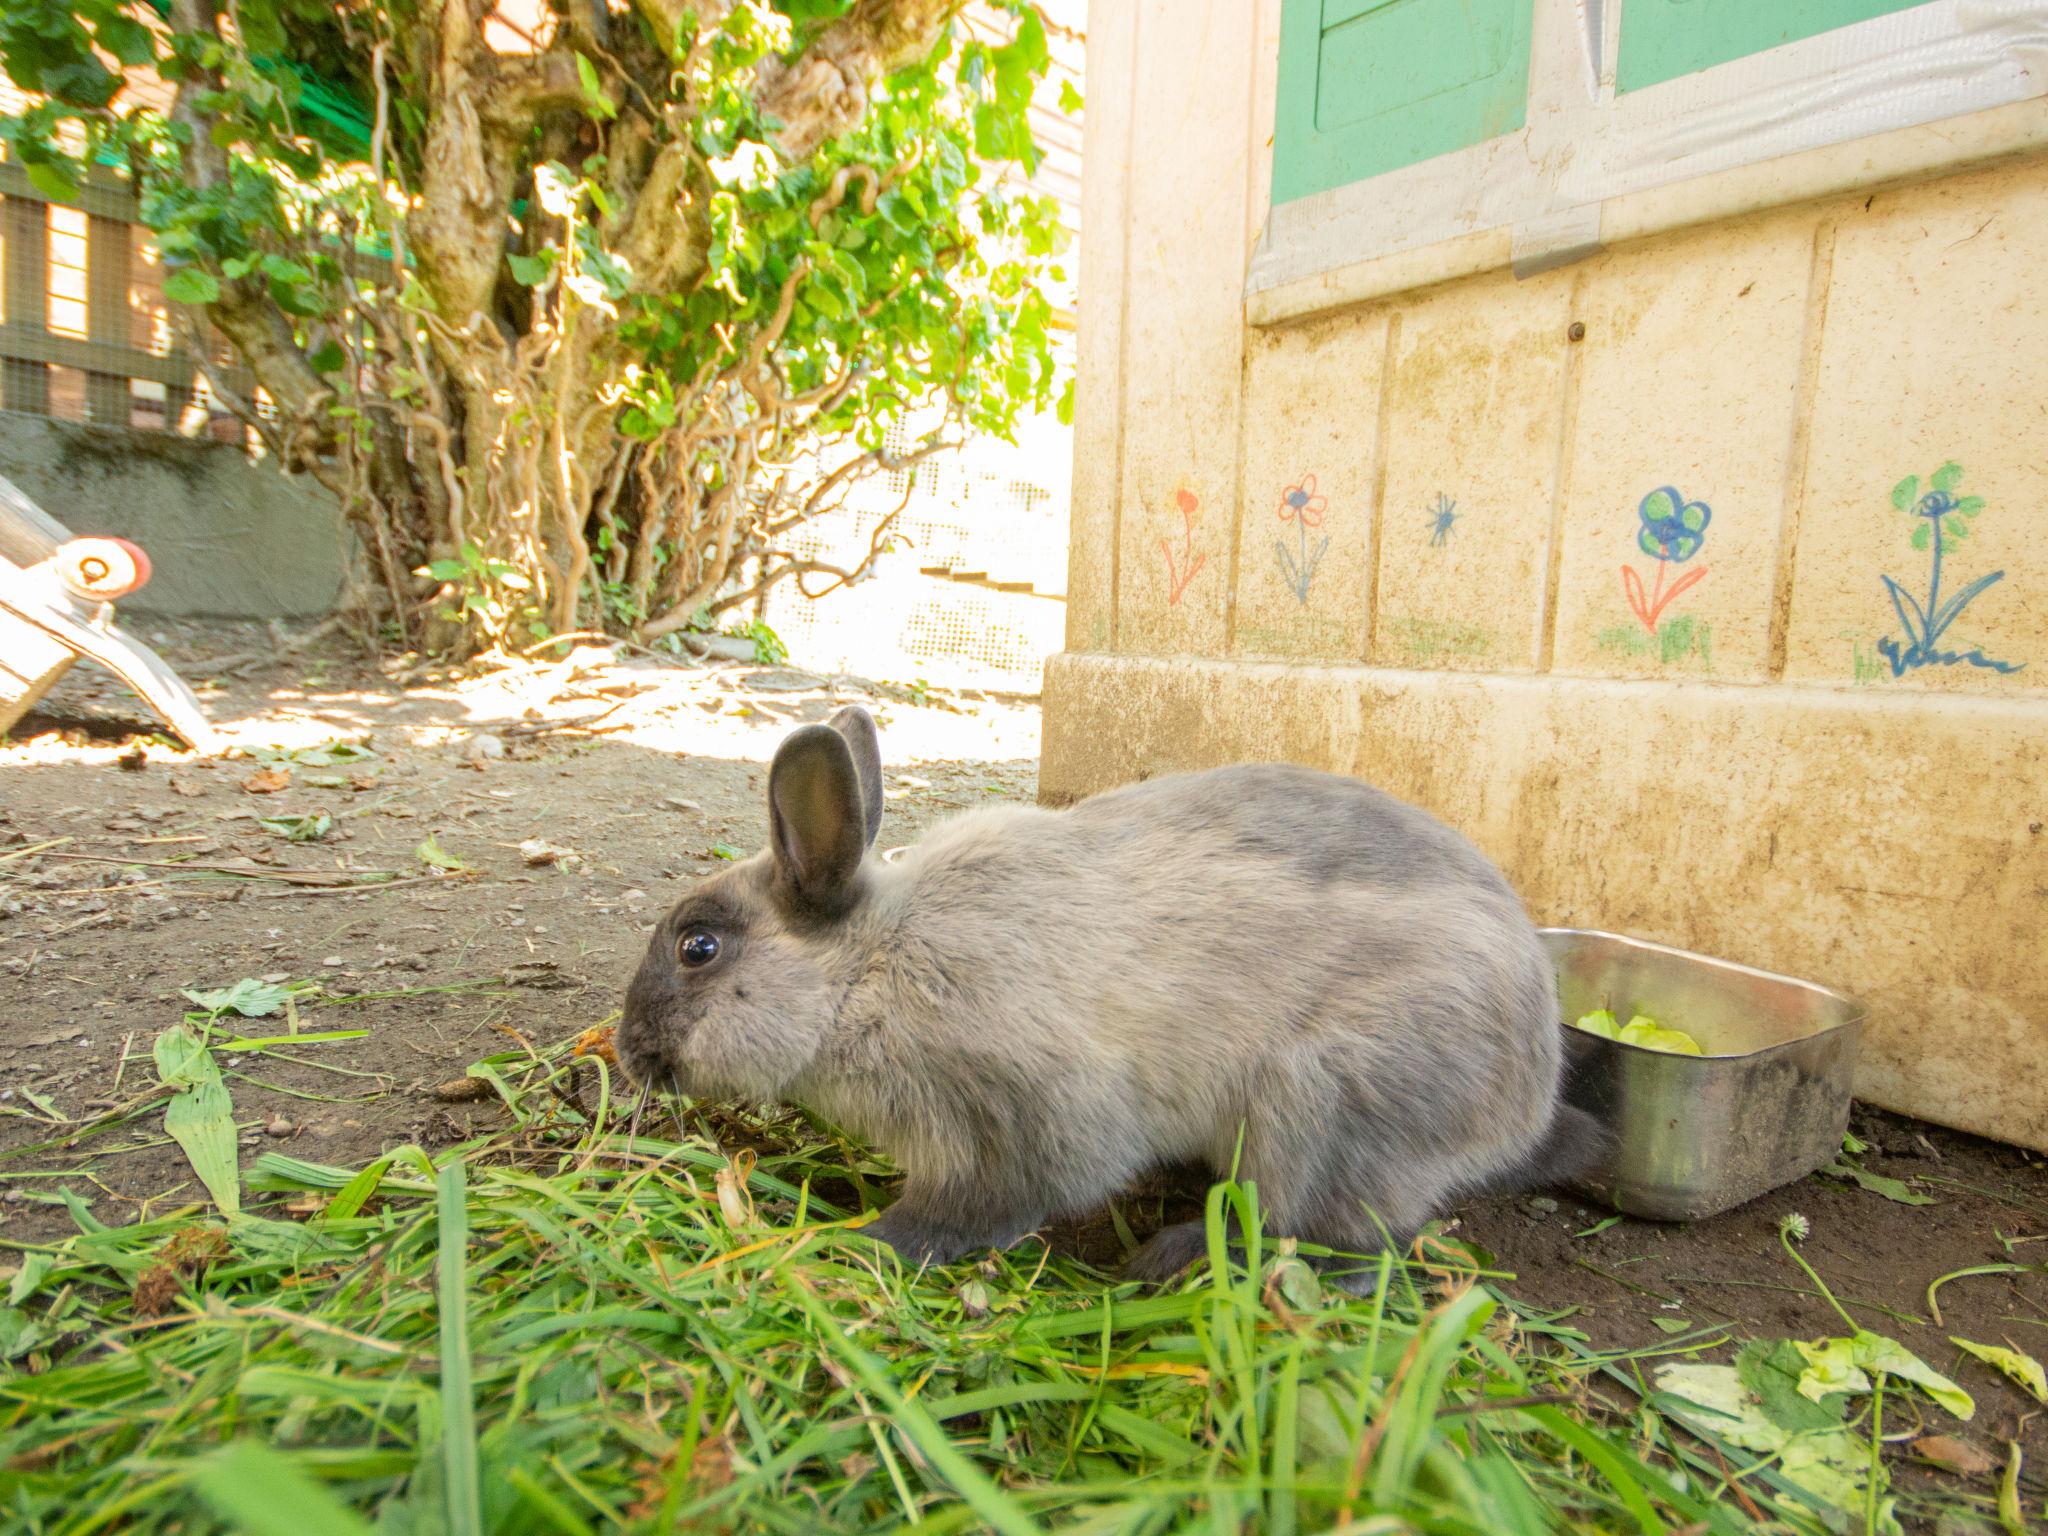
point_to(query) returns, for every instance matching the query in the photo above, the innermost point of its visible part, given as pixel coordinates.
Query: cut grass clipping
(563, 1327)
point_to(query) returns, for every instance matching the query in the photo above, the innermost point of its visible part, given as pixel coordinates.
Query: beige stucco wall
(1748, 777)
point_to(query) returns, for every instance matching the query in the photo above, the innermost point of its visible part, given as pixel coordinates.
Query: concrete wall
(226, 537)
(1738, 747)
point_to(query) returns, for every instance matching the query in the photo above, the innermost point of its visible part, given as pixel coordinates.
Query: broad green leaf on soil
(298, 829)
(1831, 1368)
(34, 1266)
(1875, 1352)
(1876, 1183)
(1771, 1369)
(1843, 1365)
(201, 1117)
(431, 852)
(329, 754)
(251, 998)
(1830, 1464)
(2020, 1366)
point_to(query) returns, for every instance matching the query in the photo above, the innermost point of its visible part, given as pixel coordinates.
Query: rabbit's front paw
(917, 1240)
(1168, 1253)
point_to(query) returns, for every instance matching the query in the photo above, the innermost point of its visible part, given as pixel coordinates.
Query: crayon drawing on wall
(1671, 531)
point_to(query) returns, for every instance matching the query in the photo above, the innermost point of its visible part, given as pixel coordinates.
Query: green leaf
(1841, 1365)
(459, 1477)
(189, 285)
(531, 271)
(600, 104)
(298, 829)
(1825, 1461)
(1070, 99)
(328, 358)
(200, 1118)
(1598, 1227)
(2020, 1366)
(431, 852)
(726, 851)
(126, 39)
(83, 82)
(329, 754)
(53, 180)
(262, 1493)
(250, 998)
(1600, 1022)
(261, 27)
(1771, 1368)
(1875, 1352)
(283, 269)
(1921, 534)
(1970, 506)
(1877, 1183)
(1946, 478)
(35, 1267)
(1831, 1368)
(1906, 492)
(350, 1198)
(1652, 1036)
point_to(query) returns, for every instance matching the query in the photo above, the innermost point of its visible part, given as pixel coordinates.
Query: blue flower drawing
(1941, 521)
(1673, 531)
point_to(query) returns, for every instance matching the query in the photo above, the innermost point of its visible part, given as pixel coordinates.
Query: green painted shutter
(1368, 86)
(1663, 39)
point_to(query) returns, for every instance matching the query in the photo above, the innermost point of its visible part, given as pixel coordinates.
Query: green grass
(564, 1328)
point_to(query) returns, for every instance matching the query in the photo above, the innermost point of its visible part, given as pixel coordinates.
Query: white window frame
(1591, 167)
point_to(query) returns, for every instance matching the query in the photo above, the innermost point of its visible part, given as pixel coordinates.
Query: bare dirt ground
(635, 775)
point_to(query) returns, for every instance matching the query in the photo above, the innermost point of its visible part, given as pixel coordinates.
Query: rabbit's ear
(818, 817)
(858, 727)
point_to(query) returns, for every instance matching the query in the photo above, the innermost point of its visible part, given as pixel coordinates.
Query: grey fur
(1263, 966)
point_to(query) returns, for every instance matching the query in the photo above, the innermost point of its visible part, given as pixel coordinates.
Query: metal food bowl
(1766, 1101)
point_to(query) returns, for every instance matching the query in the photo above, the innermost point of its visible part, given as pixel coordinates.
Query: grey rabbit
(1264, 967)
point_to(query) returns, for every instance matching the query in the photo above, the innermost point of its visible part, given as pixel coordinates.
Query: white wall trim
(1549, 188)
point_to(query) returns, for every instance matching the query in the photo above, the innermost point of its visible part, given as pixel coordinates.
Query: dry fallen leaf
(268, 781)
(734, 1202)
(1953, 1455)
(598, 1042)
(186, 788)
(462, 1090)
(538, 851)
(188, 1254)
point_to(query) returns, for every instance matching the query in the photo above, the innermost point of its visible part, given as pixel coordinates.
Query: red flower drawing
(1302, 501)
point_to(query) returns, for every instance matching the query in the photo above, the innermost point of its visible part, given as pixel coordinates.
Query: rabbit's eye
(698, 947)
